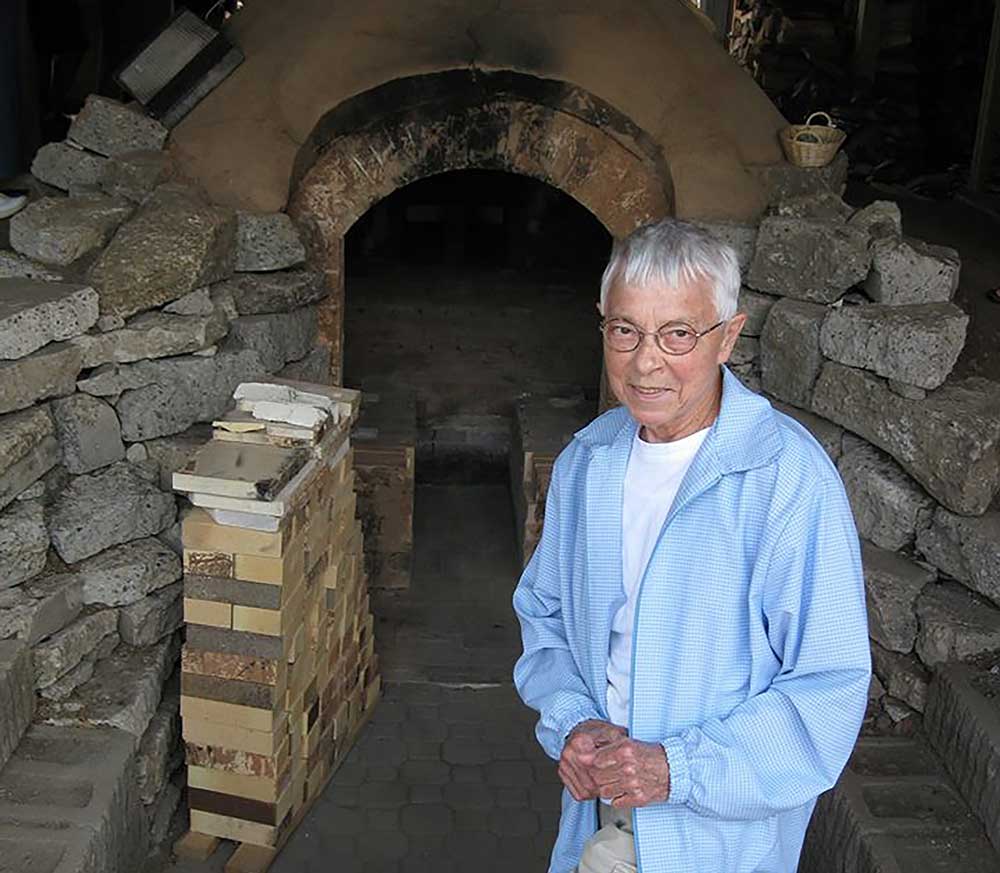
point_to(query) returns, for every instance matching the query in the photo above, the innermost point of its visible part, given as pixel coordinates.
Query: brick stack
(279, 669)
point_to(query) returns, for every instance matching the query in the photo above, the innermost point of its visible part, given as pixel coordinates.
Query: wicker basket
(812, 145)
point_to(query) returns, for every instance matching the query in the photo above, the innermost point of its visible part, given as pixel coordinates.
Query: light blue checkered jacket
(751, 661)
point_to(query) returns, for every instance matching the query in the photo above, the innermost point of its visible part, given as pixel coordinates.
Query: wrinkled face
(671, 396)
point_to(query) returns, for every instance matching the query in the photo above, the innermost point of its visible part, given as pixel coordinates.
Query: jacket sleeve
(547, 675)
(785, 746)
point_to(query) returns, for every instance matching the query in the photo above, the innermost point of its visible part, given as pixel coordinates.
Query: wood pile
(279, 670)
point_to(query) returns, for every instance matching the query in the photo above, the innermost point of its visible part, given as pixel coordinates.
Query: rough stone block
(889, 507)
(160, 813)
(174, 243)
(28, 450)
(266, 293)
(967, 549)
(198, 302)
(267, 242)
(823, 205)
(879, 219)
(910, 271)
(790, 358)
(105, 509)
(829, 435)
(152, 335)
(88, 431)
(278, 338)
(892, 585)
(159, 749)
(41, 607)
(110, 128)
(756, 306)
(903, 675)
(783, 181)
(64, 166)
(66, 649)
(66, 684)
(60, 230)
(24, 542)
(916, 345)
(135, 174)
(150, 619)
(747, 349)
(17, 691)
(949, 442)
(49, 372)
(128, 573)
(955, 624)
(173, 452)
(314, 367)
(740, 237)
(15, 266)
(808, 259)
(33, 314)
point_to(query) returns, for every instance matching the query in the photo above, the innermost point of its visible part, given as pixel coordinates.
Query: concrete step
(962, 721)
(68, 803)
(894, 810)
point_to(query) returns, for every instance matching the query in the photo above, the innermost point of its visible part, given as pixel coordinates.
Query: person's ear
(731, 333)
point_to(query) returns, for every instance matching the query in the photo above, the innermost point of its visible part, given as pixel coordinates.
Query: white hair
(671, 253)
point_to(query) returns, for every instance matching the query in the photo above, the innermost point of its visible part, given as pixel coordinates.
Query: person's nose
(648, 358)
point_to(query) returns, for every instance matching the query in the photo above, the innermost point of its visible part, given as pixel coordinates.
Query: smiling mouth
(648, 392)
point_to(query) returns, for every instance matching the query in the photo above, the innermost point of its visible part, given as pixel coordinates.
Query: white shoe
(9, 204)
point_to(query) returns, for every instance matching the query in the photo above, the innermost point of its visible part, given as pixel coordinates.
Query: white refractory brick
(15, 266)
(171, 453)
(109, 128)
(904, 677)
(63, 166)
(278, 338)
(916, 344)
(153, 617)
(829, 435)
(808, 259)
(33, 314)
(889, 507)
(790, 358)
(24, 542)
(822, 205)
(955, 624)
(125, 574)
(263, 293)
(267, 242)
(892, 585)
(61, 230)
(49, 372)
(967, 549)
(28, 450)
(152, 335)
(910, 271)
(135, 174)
(879, 219)
(40, 607)
(17, 691)
(105, 509)
(740, 237)
(63, 651)
(756, 306)
(89, 433)
(949, 442)
(158, 748)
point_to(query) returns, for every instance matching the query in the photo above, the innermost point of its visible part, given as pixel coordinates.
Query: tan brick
(208, 612)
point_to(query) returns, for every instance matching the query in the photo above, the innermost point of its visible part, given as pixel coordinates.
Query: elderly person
(693, 619)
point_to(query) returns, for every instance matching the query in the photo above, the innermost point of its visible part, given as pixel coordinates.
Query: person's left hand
(632, 773)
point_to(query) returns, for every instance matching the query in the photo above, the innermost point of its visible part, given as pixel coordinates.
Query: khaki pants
(612, 848)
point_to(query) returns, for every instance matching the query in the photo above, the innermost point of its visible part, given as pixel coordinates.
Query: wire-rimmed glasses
(672, 338)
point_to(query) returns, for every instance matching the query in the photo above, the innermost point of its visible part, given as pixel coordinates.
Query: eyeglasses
(672, 338)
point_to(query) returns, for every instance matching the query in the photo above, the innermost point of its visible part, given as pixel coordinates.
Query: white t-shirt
(654, 474)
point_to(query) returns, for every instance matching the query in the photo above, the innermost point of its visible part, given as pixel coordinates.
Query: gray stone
(41, 607)
(314, 367)
(105, 509)
(60, 230)
(879, 219)
(910, 392)
(823, 205)
(159, 748)
(892, 585)
(49, 372)
(65, 685)
(260, 294)
(15, 266)
(910, 271)
(748, 374)
(917, 344)
(136, 453)
(152, 335)
(89, 433)
(889, 507)
(110, 128)
(175, 242)
(33, 314)
(955, 624)
(829, 435)
(967, 549)
(125, 574)
(198, 302)
(808, 259)
(756, 306)
(62, 166)
(897, 709)
(24, 542)
(160, 814)
(64, 650)
(949, 442)
(171, 537)
(28, 449)
(746, 349)
(783, 181)
(168, 396)
(790, 358)
(267, 242)
(135, 174)
(124, 692)
(278, 338)
(740, 237)
(904, 677)
(172, 452)
(17, 691)
(150, 619)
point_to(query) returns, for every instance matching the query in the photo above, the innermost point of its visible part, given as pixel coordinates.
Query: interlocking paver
(419, 772)
(465, 752)
(430, 818)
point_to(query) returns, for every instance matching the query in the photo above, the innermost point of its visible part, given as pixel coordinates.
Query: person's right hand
(578, 754)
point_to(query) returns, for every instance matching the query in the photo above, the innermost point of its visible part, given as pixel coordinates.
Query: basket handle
(829, 121)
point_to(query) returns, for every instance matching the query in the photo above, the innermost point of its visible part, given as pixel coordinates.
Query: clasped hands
(600, 760)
